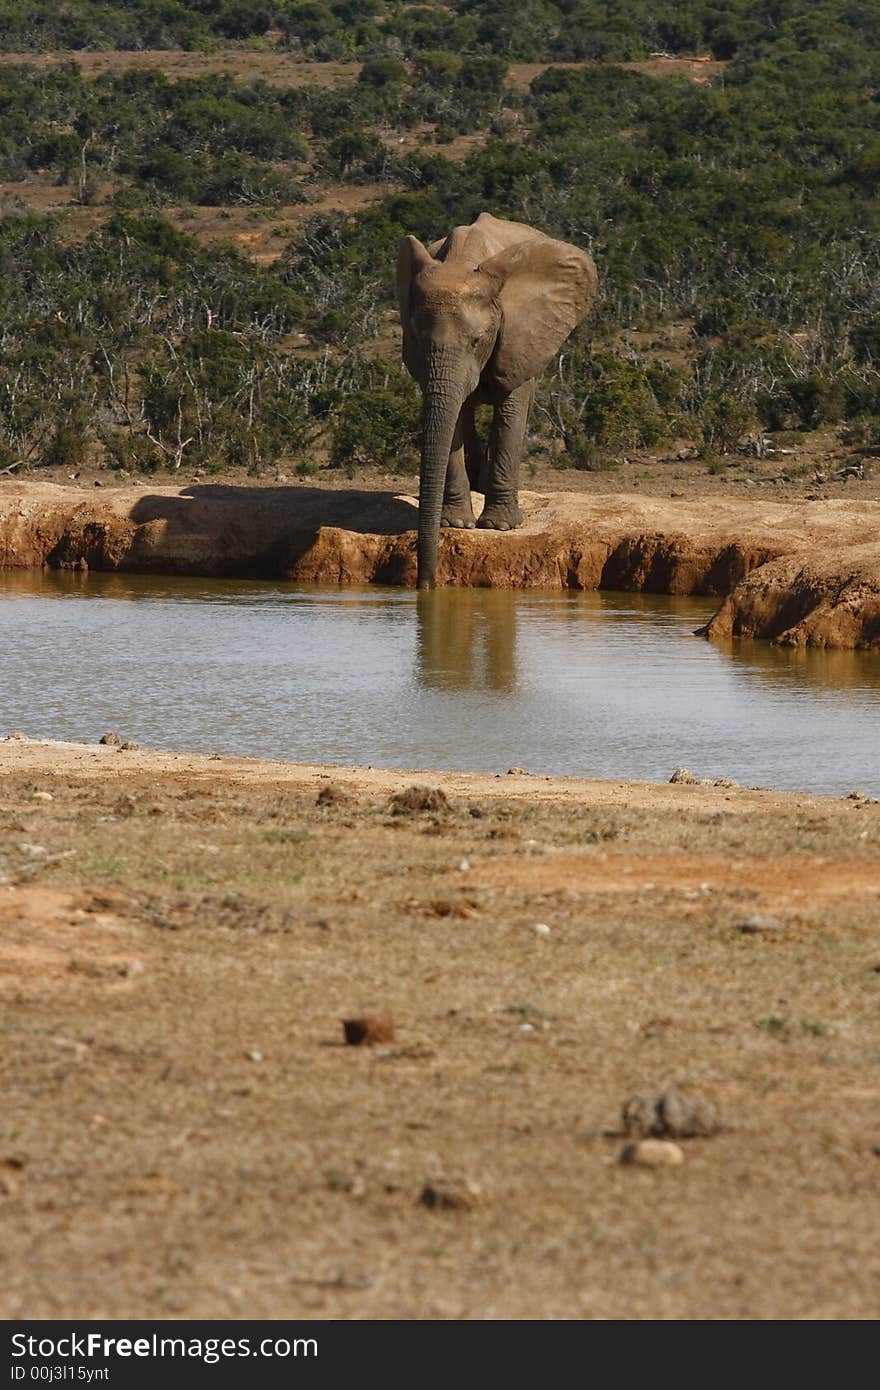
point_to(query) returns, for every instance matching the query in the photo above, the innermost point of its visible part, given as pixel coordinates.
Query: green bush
(378, 425)
(622, 411)
(724, 422)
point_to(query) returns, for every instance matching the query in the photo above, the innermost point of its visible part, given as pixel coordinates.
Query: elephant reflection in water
(467, 639)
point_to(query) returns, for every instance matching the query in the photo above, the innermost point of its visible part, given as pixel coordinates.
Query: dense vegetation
(737, 219)
(519, 30)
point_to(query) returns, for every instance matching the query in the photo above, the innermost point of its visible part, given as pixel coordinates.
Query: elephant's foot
(501, 516)
(459, 515)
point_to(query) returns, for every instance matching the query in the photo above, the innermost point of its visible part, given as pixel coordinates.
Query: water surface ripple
(592, 685)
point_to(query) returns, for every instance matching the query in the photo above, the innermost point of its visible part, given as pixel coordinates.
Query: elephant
(483, 312)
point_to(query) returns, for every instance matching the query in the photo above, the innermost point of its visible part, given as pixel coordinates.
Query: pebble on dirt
(372, 1028)
(683, 777)
(754, 925)
(112, 740)
(418, 798)
(669, 1114)
(449, 1194)
(653, 1153)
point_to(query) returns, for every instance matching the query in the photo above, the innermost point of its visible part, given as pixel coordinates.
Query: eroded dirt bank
(796, 572)
(184, 1132)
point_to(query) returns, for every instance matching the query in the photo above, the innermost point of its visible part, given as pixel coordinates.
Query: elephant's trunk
(445, 392)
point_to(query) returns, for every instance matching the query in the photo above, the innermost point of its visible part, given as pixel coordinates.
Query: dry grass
(184, 1132)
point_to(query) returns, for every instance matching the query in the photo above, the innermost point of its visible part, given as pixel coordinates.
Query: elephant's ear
(546, 288)
(411, 259)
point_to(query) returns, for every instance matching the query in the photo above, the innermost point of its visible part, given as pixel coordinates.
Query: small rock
(372, 1028)
(42, 796)
(418, 798)
(726, 782)
(464, 866)
(332, 795)
(516, 772)
(254, 1055)
(856, 796)
(681, 776)
(541, 929)
(449, 1194)
(669, 1114)
(653, 1153)
(130, 746)
(753, 926)
(111, 740)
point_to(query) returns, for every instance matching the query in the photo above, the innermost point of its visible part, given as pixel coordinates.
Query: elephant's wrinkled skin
(483, 312)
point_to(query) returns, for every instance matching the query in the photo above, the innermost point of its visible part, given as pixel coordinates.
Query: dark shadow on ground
(214, 529)
(292, 508)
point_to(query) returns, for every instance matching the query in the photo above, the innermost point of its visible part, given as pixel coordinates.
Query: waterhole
(564, 683)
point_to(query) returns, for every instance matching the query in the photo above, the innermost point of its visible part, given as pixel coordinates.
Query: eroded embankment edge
(770, 589)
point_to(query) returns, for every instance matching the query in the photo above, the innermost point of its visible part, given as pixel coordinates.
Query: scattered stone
(42, 796)
(332, 795)
(418, 798)
(726, 782)
(338, 1181)
(856, 796)
(517, 772)
(669, 1114)
(653, 1153)
(753, 926)
(130, 746)
(541, 929)
(681, 776)
(254, 1055)
(17, 737)
(111, 740)
(372, 1028)
(462, 908)
(450, 1194)
(464, 866)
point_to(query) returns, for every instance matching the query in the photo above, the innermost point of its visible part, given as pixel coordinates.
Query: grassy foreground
(185, 1133)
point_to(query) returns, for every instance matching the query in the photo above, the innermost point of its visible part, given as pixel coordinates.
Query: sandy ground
(800, 571)
(185, 1133)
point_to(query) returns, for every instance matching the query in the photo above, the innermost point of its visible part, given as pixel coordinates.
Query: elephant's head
(511, 313)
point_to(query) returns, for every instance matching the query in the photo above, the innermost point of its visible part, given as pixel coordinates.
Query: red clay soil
(796, 572)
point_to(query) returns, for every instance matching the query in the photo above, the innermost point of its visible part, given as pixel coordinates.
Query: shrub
(622, 411)
(725, 419)
(378, 425)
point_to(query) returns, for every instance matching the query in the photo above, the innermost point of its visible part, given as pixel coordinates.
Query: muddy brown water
(584, 684)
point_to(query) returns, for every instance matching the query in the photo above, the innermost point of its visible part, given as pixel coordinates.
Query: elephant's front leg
(457, 510)
(509, 424)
